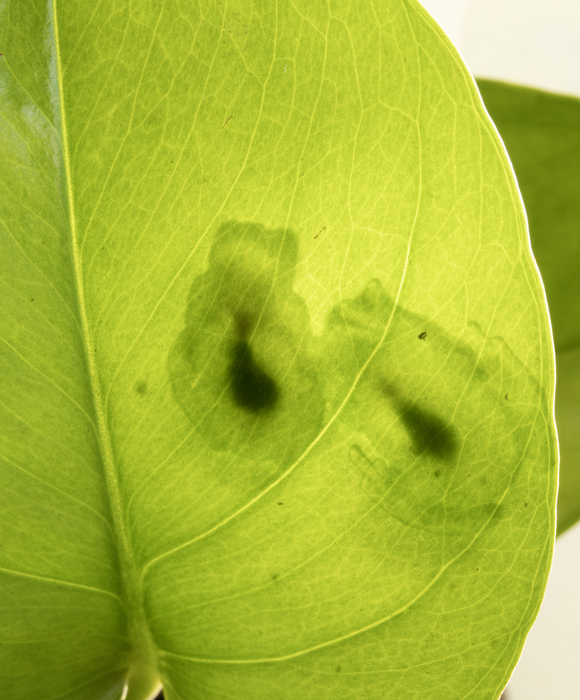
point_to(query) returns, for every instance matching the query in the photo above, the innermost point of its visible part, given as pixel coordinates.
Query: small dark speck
(506, 398)
(141, 387)
(437, 473)
(422, 335)
(477, 569)
(199, 296)
(275, 577)
(526, 505)
(280, 504)
(338, 669)
(32, 300)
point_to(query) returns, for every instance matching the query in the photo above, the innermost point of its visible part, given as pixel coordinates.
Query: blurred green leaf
(541, 132)
(277, 372)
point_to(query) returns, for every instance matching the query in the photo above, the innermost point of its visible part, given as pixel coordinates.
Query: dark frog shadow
(426, 404)
(243, 369)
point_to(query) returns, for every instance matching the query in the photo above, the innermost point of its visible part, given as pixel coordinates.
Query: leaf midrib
(142, 661)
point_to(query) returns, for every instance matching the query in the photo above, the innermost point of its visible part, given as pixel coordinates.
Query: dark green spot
(253, 390)
(141, 387)
(429, 433)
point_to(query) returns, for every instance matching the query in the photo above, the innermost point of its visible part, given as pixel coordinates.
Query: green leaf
(277, 372)
(542, 134)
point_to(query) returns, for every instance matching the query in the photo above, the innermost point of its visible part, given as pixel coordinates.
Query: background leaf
(277, 366)
(542, 134)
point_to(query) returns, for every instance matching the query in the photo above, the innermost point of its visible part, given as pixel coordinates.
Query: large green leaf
(542, 134)
(277, 368)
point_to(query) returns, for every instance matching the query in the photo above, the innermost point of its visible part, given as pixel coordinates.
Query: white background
(534, 43)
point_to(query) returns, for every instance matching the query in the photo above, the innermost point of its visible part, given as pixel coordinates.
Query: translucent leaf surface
(542, 134)
(277, 373)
